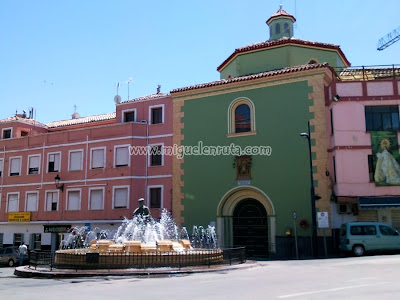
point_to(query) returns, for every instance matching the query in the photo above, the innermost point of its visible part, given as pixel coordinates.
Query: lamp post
(313, 196)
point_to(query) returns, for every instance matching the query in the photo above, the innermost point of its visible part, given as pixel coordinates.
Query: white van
(359, 237)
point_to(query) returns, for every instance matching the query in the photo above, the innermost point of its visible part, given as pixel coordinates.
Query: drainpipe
(41, 180)
(2, 175)
(86, 158)
(147, 163)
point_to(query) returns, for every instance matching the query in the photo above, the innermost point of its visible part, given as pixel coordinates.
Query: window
(382, 118)
(241, 118)
(363, 230)
(98, 158)
(15, 166)
(52, 201)
(24, 133)
(386, 230)
(36, 241)
(6, 133)
(18, 239)
(312, 62)
(371, 168)
(156, 114)
(13, 202)
(121, 156)
(156, 156)
(278, 28)
(1, 166)
(31, 201)
(54, 160)
(75, 160)
(73, 200)
(120, 199)
(33, 164)
(286, 28)
(155, 197)
(129, 115)
(96, 198)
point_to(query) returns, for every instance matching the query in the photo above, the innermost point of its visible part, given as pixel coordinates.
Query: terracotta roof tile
(253, 76)
(148, 97)
(21, 119)
(281, 13)
(281, 41)
(83, 120)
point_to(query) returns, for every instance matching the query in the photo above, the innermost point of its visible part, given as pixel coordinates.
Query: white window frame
(1, 199)
(4, 129)
(128, 194)
(8, 195)
(58, 199)
(90, 193)
(151, 107)
(20, 165)
(69, 159)
(67, 199)
(162, 195)
(104, 159)
(2, 167)
(48, 160)
(26, 200)
(149, 156)
(115, 155)
(27, 164)
(127, 111)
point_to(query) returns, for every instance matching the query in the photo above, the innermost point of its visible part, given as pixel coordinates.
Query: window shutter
(31, 202)
(75, 160)
(73, 200)
(96, 199)
(51, 198)
(121, 197)
(122, 156)
(34, 162)
(12, 203)
(15, 165)
(1, 167)
(97, 158)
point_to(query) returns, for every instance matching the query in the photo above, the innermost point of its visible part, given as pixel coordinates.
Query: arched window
(312, 62)
(242, 118)
(286, 28)
(278, 28)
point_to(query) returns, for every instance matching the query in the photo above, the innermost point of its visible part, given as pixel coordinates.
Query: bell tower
(280, 25)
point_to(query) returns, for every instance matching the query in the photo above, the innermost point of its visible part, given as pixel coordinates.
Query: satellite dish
(117, 99)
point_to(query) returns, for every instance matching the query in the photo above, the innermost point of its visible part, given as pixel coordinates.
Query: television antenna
(129, 81)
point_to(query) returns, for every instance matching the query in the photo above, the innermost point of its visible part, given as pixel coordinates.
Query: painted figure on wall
(387, 169)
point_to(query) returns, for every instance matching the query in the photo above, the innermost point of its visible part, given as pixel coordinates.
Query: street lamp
(313, 196)
(57, 182)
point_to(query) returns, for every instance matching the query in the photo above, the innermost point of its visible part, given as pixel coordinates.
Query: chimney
(75, 115)
(158, 89)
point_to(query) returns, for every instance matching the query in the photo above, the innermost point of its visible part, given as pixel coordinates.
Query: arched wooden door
(250, 227)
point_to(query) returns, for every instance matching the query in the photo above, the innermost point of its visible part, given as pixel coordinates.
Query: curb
(27, 272)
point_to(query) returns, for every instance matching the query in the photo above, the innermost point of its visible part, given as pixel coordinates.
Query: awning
(379, 202)
(345, 200)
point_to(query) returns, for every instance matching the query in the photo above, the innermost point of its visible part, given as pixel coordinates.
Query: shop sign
(56, 228)
(19, 216)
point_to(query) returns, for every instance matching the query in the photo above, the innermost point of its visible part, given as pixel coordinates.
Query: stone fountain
(139, 242)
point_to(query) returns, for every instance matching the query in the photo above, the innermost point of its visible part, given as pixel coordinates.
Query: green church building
(266, 95)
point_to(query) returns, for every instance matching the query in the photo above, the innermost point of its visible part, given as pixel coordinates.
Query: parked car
(360, 237)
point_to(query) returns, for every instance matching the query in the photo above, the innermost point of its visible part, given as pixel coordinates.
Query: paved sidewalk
(26, 271)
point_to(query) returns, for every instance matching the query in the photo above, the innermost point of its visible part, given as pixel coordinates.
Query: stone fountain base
(134, 254)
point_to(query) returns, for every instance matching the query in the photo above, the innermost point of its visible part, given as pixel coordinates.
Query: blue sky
(57, 54)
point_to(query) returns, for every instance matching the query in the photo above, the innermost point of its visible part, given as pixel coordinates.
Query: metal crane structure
(389, 39)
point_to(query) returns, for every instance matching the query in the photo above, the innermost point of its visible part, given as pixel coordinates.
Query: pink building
(363, 103)
(99, 181)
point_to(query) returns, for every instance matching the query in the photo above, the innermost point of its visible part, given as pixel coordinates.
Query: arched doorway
(250, 227)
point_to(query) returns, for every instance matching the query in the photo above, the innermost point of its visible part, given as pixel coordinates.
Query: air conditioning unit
(344, 208)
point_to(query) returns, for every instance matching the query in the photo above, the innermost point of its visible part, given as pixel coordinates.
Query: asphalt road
(371, 277)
